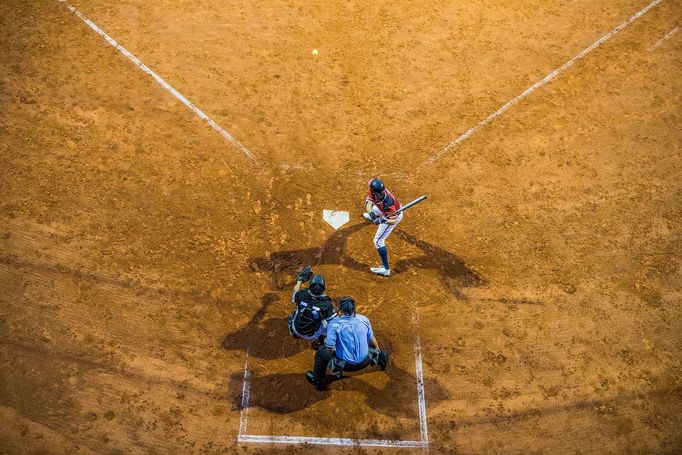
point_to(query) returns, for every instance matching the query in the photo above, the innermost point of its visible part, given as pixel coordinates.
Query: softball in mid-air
(316, 52)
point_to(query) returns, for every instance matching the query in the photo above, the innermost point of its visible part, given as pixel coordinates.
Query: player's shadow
(265, 338)
(453, 272)
(290, 392)
(283, 264)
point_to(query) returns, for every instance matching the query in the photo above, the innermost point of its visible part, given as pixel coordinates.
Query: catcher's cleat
(380, 271)
(319, 385)
(367, 216)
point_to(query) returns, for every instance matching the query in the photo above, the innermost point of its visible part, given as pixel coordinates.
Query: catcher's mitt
(304, 274)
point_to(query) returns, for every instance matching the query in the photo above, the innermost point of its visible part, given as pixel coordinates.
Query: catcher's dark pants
(324, 359)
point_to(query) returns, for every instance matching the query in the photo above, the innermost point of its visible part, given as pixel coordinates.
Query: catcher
(313, 309)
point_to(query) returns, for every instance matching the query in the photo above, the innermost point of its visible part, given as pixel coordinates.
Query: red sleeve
(369, 192)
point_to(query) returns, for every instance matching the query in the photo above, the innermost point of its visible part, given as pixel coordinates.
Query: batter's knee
(379, 243)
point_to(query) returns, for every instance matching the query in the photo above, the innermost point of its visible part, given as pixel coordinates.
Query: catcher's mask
(317, 285)
(347, 306)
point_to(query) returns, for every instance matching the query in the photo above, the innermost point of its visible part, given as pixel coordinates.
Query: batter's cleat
(367, 216)
(319, 385)
(383, 360)
(380, 271)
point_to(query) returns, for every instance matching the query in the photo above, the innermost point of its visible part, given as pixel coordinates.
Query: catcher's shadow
(265, 338)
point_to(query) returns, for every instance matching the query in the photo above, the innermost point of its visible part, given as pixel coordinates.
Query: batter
(379, 205)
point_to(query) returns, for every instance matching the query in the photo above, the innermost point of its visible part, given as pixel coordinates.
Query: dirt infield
(142, 255)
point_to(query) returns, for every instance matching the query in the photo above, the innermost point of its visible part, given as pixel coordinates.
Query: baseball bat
(407, 206)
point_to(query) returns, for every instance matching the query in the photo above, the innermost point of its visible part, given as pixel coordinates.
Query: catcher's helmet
(317, 285)
(347, 306)
(376, 186)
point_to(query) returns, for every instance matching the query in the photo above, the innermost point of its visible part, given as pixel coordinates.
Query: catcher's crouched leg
(316, 344)
(290, 321)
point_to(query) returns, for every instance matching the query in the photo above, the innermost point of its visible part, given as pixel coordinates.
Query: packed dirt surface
(145, 261)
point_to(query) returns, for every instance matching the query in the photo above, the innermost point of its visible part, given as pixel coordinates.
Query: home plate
(335, 218)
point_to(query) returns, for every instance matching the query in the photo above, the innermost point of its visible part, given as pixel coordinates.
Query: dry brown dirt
(142, 255)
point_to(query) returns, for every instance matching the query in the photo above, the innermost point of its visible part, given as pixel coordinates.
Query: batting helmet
(347, 306)
(376, 186)
(317, 285)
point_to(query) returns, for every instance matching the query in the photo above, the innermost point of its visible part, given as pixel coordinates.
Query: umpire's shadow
(265, 338)
(291, 392)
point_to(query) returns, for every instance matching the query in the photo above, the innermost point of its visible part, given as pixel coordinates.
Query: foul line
(669, 35)
(540, 83)
(163, 83)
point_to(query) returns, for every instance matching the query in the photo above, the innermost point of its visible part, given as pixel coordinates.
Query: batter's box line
(423, 442)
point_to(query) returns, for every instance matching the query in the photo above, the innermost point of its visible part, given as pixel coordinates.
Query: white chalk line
(163, 83)
(668, 36)
(265, 439)
(421, 395)
(244, 414)
(540, 83)
(249, 438)
(419, 372)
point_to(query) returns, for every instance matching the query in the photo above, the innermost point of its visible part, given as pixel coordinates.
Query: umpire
(350, 346)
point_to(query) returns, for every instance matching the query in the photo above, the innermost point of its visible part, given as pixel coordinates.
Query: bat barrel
(407, 206)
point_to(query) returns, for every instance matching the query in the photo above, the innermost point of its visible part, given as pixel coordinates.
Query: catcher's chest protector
(307, 318)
